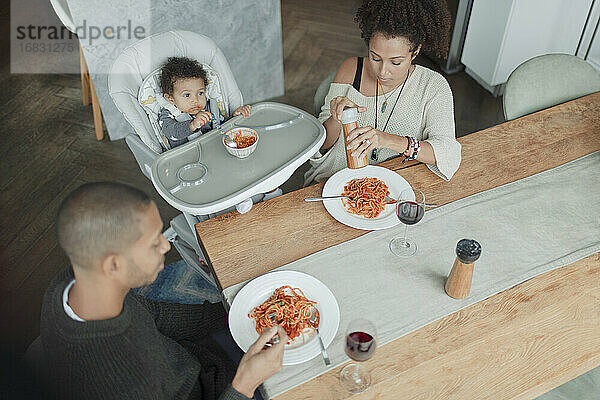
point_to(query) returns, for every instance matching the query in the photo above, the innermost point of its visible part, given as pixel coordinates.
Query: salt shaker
(349, 118)
(458, 284)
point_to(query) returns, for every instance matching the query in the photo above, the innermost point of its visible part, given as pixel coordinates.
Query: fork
(388, 199)
(275, 339)
(326, 198)
(312, 320)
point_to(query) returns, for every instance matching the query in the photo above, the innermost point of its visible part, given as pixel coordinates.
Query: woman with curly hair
(404, 109)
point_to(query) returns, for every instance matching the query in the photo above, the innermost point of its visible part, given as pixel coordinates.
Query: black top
(358, 74)
(151, 350)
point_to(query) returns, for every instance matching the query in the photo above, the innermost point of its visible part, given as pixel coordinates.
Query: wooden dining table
(517, 344)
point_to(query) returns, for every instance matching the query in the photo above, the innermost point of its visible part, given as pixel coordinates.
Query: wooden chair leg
(97, 113)
(85, 78)
(87, 88)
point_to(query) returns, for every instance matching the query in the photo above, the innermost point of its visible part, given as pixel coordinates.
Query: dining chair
(321, 93)
(545, 81)
(61, 8)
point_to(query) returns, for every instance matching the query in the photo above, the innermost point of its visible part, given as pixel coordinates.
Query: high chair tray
(201, 177)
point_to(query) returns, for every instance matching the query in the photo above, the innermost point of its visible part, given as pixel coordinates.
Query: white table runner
(525, 228)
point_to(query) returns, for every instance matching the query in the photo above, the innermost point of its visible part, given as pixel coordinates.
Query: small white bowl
(246, 151)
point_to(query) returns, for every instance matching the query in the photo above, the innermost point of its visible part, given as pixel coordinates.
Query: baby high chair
(133, 86)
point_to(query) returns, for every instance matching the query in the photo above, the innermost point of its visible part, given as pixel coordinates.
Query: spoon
(312, 320)
(230, 142)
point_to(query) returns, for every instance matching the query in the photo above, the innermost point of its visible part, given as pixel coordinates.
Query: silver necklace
(385, 102)
(374, 152)
(396, 102)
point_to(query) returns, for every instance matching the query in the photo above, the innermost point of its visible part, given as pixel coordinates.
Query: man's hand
(243, 110)
(259, 364)
(201, 118)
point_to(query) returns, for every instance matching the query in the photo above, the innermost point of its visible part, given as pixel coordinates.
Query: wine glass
(361, 341)
(410, 208)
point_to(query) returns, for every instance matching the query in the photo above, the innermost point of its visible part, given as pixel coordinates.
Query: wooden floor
(49, 148)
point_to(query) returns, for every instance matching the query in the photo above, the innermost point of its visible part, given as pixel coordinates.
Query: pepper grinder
(458, 284)
(349, 122)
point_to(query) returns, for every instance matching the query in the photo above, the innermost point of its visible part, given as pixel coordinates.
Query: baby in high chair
(183, 83)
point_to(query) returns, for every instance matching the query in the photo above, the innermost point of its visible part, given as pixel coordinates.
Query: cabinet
(589, 48)
(503, 34)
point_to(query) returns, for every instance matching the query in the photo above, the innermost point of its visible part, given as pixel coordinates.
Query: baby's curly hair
(180, 68)
(425, 22)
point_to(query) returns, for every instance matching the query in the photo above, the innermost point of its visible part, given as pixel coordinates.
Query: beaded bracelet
(412, 149)
(416, 149)
(407, 151)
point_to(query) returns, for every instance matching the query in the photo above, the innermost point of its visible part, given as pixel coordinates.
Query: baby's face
(189, 95)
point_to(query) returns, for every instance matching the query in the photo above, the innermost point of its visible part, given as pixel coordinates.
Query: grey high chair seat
(140, 59)
(126, 76)
(545, 81)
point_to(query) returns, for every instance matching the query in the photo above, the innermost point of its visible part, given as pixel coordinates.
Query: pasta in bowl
(246, 140)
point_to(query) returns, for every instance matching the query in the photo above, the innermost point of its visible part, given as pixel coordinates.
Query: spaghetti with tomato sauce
(292, 312)
(366, 197)
(243, 141)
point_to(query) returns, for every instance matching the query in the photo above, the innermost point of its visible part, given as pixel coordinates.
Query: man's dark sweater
(150, 351)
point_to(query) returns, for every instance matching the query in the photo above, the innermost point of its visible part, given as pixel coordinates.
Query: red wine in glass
(410, 209)
(410, 212)
(360, 346)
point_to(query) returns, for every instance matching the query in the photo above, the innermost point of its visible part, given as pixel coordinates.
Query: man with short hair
(101, 340)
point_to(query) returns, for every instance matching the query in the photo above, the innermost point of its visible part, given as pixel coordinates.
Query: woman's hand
(243, 110)
(364, 139)
(337, 105)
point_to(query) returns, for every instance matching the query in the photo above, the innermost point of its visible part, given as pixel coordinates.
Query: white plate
(335, 186)
(243, 328)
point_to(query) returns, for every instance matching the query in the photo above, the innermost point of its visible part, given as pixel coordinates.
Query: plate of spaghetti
(291, 296)
(367, 189)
